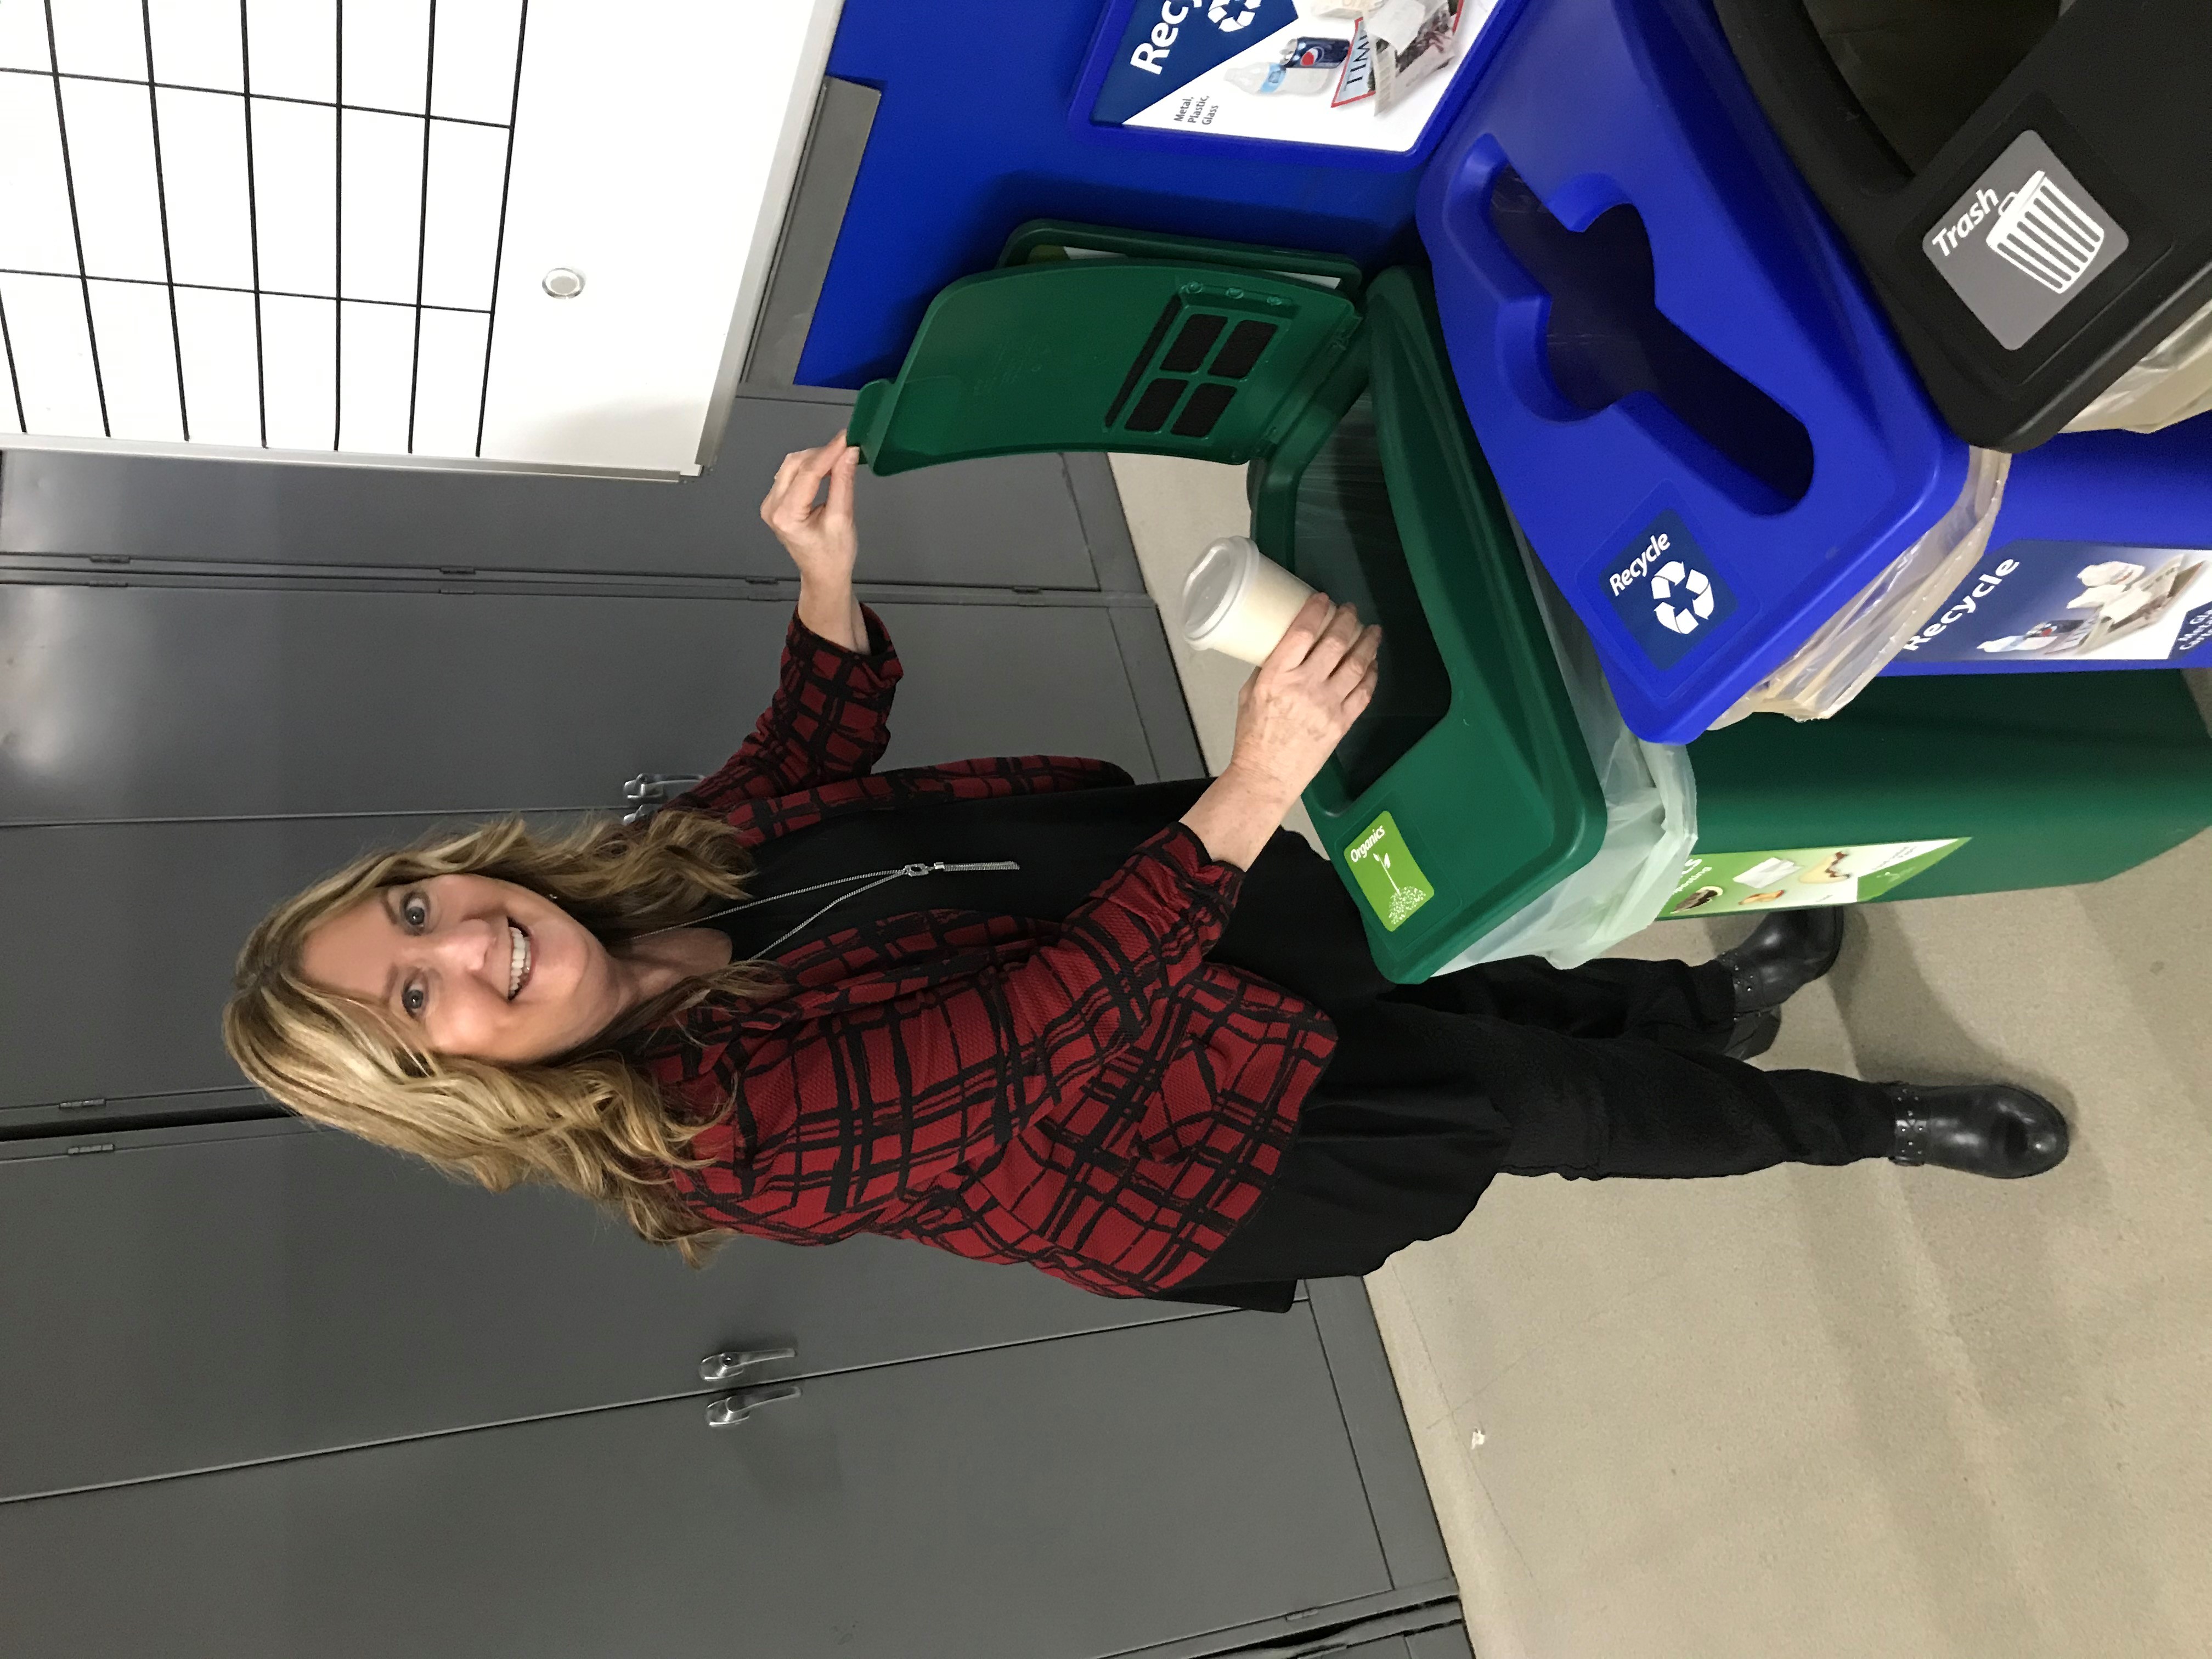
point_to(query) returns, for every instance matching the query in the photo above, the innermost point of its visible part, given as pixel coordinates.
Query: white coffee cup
(1240, 602)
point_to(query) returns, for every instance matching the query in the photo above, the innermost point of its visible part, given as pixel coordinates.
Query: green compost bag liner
(1650, 820)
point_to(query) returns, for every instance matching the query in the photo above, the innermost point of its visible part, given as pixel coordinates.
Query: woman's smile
(518, 967)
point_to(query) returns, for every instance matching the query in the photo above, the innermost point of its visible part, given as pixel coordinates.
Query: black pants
(1612, 1069)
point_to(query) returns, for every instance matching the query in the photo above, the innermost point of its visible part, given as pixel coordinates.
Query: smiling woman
(433, 999)
(1131, 1035)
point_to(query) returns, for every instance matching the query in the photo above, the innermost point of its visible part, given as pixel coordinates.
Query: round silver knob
(563, 283)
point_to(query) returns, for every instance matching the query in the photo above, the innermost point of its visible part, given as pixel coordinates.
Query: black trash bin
(2028, 183)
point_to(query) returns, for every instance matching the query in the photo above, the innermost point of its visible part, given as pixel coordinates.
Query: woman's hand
(821, 537)
(1290, 715)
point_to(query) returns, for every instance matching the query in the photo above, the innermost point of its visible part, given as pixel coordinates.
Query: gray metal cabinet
(157, 702)
(121, 937)
(221, 733)
(1061, 1500)
(1439, 1642)
(1016, 522)
(182, 1307)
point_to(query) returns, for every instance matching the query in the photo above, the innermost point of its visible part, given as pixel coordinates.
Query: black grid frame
(249, 98)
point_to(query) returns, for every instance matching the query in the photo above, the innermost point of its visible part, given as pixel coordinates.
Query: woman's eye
(413, 999)
(414, 911)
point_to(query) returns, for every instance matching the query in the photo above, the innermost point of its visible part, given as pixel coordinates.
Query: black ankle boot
(1984, 1129)
(1754, 1034)
(1787, 951)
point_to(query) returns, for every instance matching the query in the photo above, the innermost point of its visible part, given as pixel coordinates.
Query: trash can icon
(2039, 229)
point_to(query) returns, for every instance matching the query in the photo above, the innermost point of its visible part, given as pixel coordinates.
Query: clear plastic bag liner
(1650, 820)
(1858, 642)
(2172, 384)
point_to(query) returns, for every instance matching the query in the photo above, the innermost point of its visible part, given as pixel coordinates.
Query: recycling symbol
(1218, 13)
(1695, 583)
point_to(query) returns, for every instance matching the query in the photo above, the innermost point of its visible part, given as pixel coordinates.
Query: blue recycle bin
(2101, 557)
(1693, 408)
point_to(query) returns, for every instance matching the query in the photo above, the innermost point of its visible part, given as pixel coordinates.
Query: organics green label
(1715, 883)
(1388, 876)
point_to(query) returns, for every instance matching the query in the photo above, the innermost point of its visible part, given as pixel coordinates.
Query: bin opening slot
(1606, 341)
(1345, 542)
(1920, 69)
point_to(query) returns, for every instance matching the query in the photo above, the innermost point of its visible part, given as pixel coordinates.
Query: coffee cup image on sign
(1697, 901)
(1832, 869)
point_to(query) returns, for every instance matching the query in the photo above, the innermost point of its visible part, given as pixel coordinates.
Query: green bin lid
(1153, 355)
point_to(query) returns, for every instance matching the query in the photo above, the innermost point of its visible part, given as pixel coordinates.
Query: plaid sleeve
(829, 721)
(879, 1103)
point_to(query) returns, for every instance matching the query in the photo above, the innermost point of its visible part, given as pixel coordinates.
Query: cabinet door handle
(729, 1367)
(733, 1409)
(647, 790)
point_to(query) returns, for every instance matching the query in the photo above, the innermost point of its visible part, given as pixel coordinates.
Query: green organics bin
(1466, 790)
(1936, 785)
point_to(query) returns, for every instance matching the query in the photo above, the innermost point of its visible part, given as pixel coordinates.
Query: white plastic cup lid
(1215, 585)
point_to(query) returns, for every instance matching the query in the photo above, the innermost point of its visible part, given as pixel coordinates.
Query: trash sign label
(2025, 240)
(1666, 591)
(1390, 881)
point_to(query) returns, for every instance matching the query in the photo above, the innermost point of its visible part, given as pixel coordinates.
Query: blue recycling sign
(1667, 593)
(1168, 44)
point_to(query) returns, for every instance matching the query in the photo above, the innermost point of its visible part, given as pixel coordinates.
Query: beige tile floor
(1832, 1413)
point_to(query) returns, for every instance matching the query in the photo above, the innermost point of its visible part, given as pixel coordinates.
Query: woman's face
(473, 966)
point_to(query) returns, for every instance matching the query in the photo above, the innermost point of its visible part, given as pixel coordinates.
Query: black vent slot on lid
(1143, 361)
(1246, 341)
(1191, 346)
(1203, 411)
(1153, 409)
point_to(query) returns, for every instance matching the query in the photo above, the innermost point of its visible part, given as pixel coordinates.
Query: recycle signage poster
(1356, 74)
(2030, 602)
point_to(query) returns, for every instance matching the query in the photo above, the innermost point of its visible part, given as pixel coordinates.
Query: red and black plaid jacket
(1092, 1096)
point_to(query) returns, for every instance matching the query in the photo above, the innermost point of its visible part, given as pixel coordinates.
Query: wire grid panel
(333, 226)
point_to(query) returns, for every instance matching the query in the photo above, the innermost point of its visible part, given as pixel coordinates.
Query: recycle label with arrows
(1667, 592)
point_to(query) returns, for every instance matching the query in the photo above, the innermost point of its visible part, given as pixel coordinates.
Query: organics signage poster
(1715, 883)
(1359, 74)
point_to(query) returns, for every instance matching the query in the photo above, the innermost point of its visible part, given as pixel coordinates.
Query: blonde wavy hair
(588, 1121)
